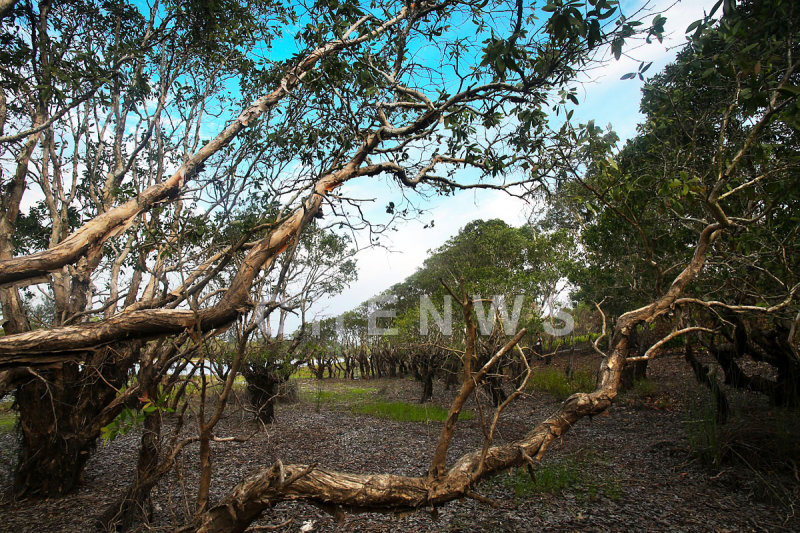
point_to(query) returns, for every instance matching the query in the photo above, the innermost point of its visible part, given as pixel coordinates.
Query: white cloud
(606, 98)
(406, 249)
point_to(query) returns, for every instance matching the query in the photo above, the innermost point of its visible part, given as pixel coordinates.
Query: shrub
(554, 382)
(551, 478)
(766, 445)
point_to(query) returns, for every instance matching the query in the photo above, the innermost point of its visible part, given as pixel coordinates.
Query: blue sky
(604, 98)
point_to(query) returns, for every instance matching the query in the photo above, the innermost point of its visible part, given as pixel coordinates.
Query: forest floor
(638, 469)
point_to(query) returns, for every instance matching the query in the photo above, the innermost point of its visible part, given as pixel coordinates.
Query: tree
(89, 97)
(319, 265)
(718, 146)
(516, 269)
(507, 271)
(726, 174)
(357, 103)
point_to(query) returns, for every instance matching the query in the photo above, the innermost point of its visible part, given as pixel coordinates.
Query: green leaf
(616, 47)
(790, 90)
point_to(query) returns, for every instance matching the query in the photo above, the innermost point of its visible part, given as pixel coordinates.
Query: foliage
(639, 208)
(129, 419)
(493, 258)
(169, 213)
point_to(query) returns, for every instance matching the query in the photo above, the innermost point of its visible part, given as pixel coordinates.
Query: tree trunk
(427, 387)
(135, 506)
(205, 470)
(52, 452)
(262, 391)
(495, 385)
(705, 376)
(61, 413)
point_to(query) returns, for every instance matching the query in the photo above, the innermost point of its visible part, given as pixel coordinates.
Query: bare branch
(650, 353)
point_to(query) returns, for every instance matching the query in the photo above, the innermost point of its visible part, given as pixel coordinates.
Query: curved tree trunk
(392, 492)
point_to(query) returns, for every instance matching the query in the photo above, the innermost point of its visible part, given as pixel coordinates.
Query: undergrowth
(645, 393)
(7, 421)
(361, 400)
(554, 382)
(767, 446)
(337, 396)
(644, 388)
(407, 412)
(302, 372)
(8, 417)
(576, 473)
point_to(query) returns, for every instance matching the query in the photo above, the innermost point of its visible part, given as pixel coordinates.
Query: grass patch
(568, 474)
(365, 401)
(7, 421)
(407, 412)
(765, 444)
(706, 440)
(552, 478)
(645, 394)
(8, 417)
(333, 396)
(554, 382)
(644, 388)
(302, 372)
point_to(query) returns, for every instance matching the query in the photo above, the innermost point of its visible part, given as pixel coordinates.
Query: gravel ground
(629, 471)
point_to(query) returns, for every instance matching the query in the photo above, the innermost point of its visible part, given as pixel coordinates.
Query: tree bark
(61, 413)
(427, 386)
(262, 391)
(391, 492)
(135, 506)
